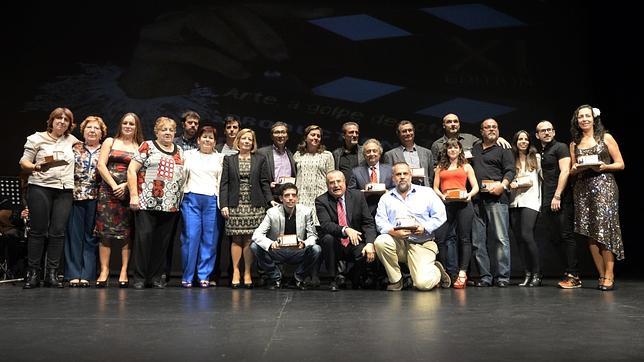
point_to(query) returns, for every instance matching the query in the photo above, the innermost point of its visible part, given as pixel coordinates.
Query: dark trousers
(523, 221)
(48, 213)
(307, 260)
(458, 226)
(154, 232)
(80, 242)
(560, 230)
(333, 252)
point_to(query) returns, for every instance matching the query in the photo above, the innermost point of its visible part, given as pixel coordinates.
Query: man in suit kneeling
(287, 235)
(347, 229)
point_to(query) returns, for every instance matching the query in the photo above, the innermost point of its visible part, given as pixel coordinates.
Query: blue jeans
(80, 242)
(491, 216)
(307, 260)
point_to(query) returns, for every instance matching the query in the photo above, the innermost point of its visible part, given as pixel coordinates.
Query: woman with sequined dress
(595, 192)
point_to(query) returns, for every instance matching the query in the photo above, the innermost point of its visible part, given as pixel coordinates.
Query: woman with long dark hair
(595, 155)
(525, 191)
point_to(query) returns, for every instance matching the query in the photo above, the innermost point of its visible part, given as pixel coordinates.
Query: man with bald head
(494, 169)
(347, 229)
(556, 199)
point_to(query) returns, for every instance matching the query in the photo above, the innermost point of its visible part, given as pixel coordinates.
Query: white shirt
(203, 172)
(38, 146)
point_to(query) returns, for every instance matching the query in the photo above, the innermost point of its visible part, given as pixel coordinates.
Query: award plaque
(288, 241)
(456, 195)
(468, 154)
(487, 185)
(51, 161)
(406, 223)
(418, 172)
(588, 161)
(523, 182)
(374, 188)
(285, 180)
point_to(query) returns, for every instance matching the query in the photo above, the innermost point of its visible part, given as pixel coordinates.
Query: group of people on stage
(411, 216)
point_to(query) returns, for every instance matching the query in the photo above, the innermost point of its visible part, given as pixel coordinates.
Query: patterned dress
(596, 203)
(244, 218)
(311, 177)
(113, 216)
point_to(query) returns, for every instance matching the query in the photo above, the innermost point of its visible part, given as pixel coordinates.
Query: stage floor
(510, 324)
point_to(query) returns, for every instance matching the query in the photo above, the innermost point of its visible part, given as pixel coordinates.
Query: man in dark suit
(419, 158)
(278, 158)
(372, 173)
(350, 154)
(347, 229)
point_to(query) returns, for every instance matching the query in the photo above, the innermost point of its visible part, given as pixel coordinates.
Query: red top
(453, 179)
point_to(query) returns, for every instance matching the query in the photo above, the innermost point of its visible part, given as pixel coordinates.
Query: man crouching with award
(287, 235)
(407, 217)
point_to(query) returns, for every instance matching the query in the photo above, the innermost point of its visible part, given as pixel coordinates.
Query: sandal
(186, 284)
(600, 283)
(606, 288)
(204, 283)
(461, 282)
(74, 283)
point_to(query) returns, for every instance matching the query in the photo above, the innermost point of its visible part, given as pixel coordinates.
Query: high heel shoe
(124, 284)
(235, 285)
(101, 284)
(607, 288)
(537, 279)
(600, 282)
(248, 285)
(526, 280)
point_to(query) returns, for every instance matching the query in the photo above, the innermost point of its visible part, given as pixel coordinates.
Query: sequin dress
(311, 177)
(596, 203)
(113, 216)
(244, 218)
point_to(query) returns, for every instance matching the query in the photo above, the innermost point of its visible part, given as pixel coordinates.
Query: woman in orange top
(451, 176)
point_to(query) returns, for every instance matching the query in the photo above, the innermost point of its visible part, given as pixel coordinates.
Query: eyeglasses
(544, 130)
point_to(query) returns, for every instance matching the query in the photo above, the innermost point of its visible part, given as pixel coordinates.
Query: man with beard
(350, 154)
(407, 217)
(190, 122)
(494, 168)
(556, 198)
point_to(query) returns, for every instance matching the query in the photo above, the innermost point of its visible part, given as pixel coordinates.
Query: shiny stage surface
(510, 324)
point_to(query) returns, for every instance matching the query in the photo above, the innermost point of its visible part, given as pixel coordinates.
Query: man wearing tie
(347, 229)
(287, 219)
(374, 172)
(418, 158)
(407, 217)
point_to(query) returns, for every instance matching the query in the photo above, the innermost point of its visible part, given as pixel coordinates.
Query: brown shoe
(395, 287)
(570, 282)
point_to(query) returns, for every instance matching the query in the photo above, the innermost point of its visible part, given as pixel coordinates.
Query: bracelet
(557, 197)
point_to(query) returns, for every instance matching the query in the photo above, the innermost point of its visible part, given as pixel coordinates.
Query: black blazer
(361, 176)
(260, 190)
(358, 215)
(267, 152)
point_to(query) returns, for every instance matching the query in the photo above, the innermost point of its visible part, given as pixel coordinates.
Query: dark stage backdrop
(327, 63)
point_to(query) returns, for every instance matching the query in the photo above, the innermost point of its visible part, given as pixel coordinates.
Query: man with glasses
(278, 157)
(494, 168)
(556, 198)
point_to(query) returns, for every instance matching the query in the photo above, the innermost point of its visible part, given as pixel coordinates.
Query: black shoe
(333, 286)
(301, 285)
(314, 283)
(501, 283)
(32, 280)
(52, 281)
(139, 285)
(249, 286)
(101, 284)
(159, 284)
(483, 284)
(536, 280)
(235, 285)
(274, 285)
(124, 284)
(526, 280)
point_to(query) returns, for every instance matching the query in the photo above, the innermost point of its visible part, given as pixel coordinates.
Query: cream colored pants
(419, 257)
